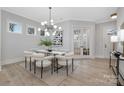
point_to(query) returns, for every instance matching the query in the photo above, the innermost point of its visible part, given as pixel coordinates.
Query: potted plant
(47, 43)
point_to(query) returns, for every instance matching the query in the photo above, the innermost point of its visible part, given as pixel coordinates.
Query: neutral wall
(0, 39)
(120, 20)
(13, 45)
(100, 28)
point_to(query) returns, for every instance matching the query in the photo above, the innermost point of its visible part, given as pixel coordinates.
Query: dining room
(58, 46)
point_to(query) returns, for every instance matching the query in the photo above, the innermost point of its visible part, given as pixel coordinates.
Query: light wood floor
(94, 72)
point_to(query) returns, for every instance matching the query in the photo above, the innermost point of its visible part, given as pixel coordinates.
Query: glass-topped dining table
(50, 52)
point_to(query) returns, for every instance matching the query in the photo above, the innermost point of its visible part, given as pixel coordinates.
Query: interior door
(106, 42)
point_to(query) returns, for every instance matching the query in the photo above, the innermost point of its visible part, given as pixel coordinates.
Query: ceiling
(94, 14)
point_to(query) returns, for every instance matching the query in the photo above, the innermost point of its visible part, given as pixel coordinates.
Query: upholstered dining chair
(28, 56)
(42, 61)
(66, 60)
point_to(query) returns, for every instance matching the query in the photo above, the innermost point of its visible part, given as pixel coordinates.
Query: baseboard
(83, 57)
(99, 57)
(14, 60)
(0, 64)
(92, 56)
(0, 68)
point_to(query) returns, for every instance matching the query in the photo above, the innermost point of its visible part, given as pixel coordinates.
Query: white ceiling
(94, 14)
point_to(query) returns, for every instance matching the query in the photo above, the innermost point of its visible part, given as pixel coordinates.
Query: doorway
(107, 45)
(81, 41)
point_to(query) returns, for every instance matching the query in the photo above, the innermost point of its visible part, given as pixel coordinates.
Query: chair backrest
(38, 55)
(69, 53)
(27, 53)
(41, 56)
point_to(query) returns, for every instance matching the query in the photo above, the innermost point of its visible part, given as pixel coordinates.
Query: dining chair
(66, 60)
(42, 61)
(28, 55)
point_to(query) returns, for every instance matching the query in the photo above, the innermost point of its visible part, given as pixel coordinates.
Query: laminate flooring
(92, 72)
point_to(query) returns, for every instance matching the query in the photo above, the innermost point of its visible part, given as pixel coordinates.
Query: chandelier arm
(50, 15)
(48, 26)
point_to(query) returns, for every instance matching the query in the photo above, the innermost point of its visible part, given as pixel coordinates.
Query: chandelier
(49, 27)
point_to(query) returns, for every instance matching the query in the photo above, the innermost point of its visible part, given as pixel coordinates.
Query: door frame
(79, 28)
(108, 43)
(0, 40)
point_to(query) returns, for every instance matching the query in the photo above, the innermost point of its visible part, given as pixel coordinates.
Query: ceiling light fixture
(113, 16)
(48, 26)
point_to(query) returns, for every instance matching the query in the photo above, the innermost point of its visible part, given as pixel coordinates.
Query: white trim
(102, 57)
(99, 56)
(14, 60)
(0, 39)
(83, 57)
(0, 68)
(79, 27)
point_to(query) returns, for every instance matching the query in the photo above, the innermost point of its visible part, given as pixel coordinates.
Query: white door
(106, 42)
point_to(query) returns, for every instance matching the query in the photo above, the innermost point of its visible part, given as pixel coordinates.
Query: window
(31, 30)
(14, 27)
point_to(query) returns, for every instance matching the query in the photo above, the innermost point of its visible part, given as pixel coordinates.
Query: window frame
(35, 32)
(15, 22)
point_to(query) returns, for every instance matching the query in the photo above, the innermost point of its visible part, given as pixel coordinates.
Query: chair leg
(34, 66)
(30, 63)
(52, 67)
(25, 62)
(72, 64)
(54, 63)
(67, 67)
(41, 69)
(57, 65)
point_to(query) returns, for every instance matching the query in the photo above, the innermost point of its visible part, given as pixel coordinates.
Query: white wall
(13, 45)
(120, 20)
(0, 39)
(100, 43)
